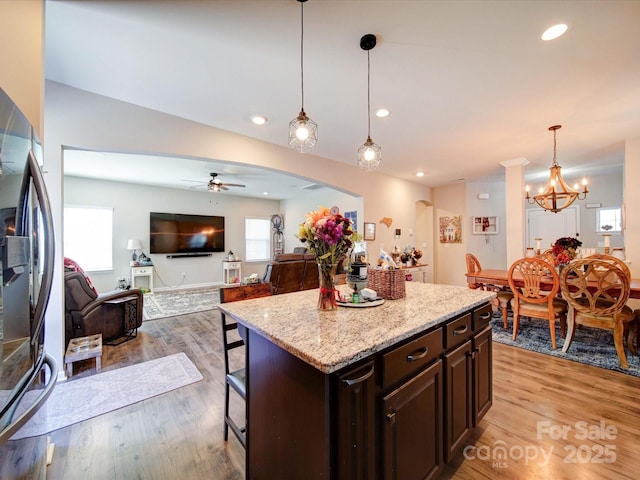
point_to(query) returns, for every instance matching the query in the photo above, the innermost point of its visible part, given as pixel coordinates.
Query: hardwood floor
(178, 435)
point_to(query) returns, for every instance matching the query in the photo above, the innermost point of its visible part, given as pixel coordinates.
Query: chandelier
(303, 132)
(369, 154)
(556, 194)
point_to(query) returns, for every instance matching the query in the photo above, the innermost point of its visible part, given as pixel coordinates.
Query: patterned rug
(179, 302)
(590, 345)
(74, 401)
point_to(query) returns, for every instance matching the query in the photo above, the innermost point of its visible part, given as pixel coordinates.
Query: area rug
(591, 346)
(74, 401)
(179, 302)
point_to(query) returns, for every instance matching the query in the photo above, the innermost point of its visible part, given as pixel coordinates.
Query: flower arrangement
(411, 254)
(564, 250)
(329, 236)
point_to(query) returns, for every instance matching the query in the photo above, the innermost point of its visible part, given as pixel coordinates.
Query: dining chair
(530, 300)
(503, 296)
(236, 379)
(597, 291)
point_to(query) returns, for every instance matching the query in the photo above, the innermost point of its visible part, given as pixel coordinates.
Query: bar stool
(236, 379)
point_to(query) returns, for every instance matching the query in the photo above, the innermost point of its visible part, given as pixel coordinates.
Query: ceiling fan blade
(232, 185)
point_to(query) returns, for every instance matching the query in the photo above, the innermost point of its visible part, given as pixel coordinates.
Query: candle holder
(538, 242)
(607, 243)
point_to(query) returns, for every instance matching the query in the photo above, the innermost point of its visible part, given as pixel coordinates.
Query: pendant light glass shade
(303, 132)
(369, 153)
(556, 194)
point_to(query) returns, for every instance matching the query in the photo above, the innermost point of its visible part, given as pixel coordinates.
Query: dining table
(500, 277)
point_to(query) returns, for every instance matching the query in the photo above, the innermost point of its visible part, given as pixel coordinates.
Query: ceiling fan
(215, 185)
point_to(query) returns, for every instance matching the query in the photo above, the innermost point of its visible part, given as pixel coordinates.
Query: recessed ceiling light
(259, 119)
(554, 32)
(265, 193)
(420, 174)
(382, 112)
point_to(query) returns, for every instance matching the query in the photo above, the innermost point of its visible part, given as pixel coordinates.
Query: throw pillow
(72, 266)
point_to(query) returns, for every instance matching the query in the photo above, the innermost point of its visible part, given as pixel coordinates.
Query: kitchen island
(385, 392)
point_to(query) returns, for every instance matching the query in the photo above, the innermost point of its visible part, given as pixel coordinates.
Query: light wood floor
(178, 435)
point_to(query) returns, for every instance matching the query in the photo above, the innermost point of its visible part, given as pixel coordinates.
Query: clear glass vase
(328, 292)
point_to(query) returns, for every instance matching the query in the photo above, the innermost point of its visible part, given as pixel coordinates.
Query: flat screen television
(173, 233)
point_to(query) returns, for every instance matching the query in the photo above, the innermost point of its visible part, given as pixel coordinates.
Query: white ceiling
(469, 83)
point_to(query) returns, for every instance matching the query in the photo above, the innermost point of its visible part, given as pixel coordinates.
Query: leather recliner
(291, 272)
(90, 313)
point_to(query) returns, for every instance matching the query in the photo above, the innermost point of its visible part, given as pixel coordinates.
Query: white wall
(450, 266)
(295, 210)
(490, 249)
(131, 206)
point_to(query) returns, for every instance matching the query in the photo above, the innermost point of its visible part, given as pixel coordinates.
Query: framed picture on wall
(369, 231)
(485, 225)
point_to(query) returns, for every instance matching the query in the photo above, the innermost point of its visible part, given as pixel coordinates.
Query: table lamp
(135, 245)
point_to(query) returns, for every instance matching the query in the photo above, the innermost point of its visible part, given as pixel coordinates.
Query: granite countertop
(331, 340)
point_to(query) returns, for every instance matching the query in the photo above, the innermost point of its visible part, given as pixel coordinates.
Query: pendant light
(303, 132)
(369, 154)
(556, 194)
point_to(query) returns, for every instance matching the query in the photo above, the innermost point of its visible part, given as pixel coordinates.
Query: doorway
(551, 226)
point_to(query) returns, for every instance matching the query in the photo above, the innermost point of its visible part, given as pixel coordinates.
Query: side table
(130, 307)
(82, 348)
(227, 268)
(142, 272)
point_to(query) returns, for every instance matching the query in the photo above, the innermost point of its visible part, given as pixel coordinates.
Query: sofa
(113, 314)
(291, 272)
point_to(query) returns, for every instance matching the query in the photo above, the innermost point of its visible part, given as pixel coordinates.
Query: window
(257, 239)
(609, 220)
(88, 237)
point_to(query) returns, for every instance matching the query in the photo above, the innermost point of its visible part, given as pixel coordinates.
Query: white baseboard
(191, 286)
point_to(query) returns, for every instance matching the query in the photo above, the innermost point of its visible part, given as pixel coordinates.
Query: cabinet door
(412, 427)
(356, 424)
(482, 374)
(458, 399)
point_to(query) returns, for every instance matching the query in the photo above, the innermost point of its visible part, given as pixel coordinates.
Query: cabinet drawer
(233, 265)
(457, 331)
(141, 271)
(412, 356)
(481, 317)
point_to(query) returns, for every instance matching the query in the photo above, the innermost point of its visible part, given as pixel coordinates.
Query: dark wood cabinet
(467, 376)
(400, 413)
(458, 398)
(411, 419)
(356, 423)
(482, 374)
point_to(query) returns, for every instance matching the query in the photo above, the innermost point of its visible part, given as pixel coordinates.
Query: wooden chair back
(595, 286)
(531, 272)
(611, 259)
(473, 266)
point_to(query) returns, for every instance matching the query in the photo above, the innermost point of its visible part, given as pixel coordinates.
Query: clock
(276, 222)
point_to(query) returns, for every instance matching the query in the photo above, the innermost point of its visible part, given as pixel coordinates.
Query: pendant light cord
(302, 52)
(555, 161)
(368, 95)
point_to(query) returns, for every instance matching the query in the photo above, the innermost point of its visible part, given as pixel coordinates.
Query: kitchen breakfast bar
(391, 391)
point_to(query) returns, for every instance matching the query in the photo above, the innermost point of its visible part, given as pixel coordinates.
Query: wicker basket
(388, 284)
